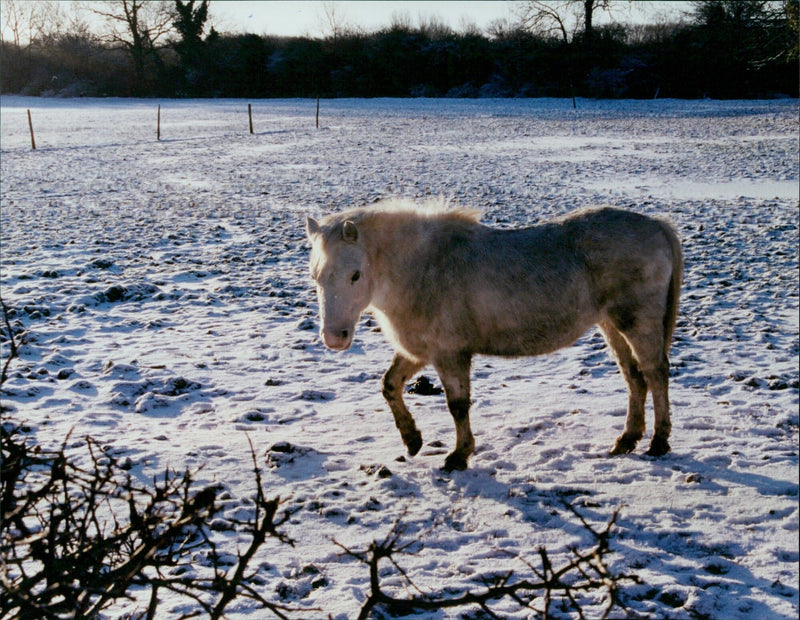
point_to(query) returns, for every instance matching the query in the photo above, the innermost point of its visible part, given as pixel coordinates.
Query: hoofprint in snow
(163, 291)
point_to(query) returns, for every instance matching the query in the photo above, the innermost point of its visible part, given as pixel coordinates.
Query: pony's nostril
(344, 333)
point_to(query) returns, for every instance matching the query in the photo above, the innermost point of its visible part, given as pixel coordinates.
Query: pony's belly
(521, 347)
(535, 337)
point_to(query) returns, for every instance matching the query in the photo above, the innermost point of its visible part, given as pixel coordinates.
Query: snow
(163, 290)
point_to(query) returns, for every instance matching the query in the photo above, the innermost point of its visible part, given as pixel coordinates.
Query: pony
(445, 287)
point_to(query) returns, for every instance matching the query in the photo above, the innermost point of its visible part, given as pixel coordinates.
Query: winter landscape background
(160, 294)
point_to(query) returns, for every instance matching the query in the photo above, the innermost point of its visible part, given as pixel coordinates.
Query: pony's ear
(349, 232)
(312, 227)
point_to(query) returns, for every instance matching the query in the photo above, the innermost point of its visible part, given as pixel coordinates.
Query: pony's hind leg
(454, 373)
(658, 381)
(646, 340)
(394, 380)
(637, 390)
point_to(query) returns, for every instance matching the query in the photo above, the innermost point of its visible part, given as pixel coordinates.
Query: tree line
(720, 49)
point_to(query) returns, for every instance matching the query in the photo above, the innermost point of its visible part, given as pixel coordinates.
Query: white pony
(444, 288)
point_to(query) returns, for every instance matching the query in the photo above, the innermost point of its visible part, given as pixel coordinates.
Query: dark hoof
(454, 462)
(624, 445)
(658, 446)
(413, 443)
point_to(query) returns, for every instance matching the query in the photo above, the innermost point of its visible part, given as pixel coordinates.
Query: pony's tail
(674, 292)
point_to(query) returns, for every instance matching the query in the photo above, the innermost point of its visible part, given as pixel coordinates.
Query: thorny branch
(75, 539)
(263, 525)
(585, 571)
(12, 345)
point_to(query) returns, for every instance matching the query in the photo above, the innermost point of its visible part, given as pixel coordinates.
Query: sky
(307, 18)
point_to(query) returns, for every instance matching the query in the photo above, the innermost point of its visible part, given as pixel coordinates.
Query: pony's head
(340, 268)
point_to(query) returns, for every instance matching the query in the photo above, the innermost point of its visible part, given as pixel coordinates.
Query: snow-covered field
(163, 290)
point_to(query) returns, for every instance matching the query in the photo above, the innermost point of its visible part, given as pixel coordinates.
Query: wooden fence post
(30, 126)
(158, 126)
(317, 112)
(250, 116)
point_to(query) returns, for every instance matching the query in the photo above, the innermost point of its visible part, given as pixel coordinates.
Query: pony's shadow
(715, 581)
(720, 472)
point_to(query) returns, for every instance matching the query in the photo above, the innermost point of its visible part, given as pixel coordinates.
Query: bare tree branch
(62, 553)
(550, 18)
(12, 345)
(138, 26)
(585, 571)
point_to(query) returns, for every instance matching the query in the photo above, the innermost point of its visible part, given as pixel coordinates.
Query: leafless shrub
(73, 539)
(76, 539)
(6, 333)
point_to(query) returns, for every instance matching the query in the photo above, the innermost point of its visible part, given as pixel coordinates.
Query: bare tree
(24, 21)
(434, 27)
(589, 7)
(138, 26)
(401, 20)
(550, 19)
(11, 15)
(791, 9)
(333, 22)
(563, 19)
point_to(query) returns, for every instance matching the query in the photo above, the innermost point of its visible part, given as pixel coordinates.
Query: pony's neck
(395, 244)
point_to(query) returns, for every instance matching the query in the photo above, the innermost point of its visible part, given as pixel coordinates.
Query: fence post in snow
(158, 125)
(317, 112)
(30, 126)
(250, 116)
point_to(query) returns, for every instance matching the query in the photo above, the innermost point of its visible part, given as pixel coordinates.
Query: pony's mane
(438, 210)
(432, 208)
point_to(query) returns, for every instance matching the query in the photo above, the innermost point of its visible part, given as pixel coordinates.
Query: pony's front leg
(454, 373)
(394, 380)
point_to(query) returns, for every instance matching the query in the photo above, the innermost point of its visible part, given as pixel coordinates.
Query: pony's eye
(356, 276)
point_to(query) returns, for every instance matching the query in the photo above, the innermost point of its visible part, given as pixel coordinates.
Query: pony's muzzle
(337, 339)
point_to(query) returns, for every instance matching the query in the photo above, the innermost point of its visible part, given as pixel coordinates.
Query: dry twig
(585, 571)
(75, 539)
